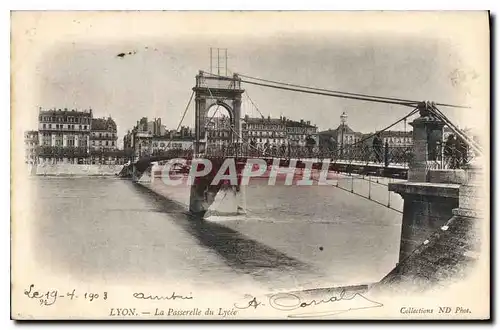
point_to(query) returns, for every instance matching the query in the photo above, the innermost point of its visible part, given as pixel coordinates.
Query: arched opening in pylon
(219, 128)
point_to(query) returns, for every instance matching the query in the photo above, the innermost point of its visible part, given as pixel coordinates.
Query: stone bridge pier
(214, 194)
(431, 193)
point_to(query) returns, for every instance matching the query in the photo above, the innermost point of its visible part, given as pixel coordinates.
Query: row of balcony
(104, 137)
(62, 127)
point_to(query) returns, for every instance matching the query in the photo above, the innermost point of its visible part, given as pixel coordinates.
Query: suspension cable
(326, 90)
(411, 113)
(456, 130)
(218, 106)
(331, 94)
(364, 97)
(248, 96)
(182, 119)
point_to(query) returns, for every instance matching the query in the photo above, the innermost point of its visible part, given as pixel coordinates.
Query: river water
(291, 237)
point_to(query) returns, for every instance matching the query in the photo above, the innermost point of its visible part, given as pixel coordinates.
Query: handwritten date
(50, 297)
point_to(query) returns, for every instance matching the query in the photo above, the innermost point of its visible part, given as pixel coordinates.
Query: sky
(78, 66)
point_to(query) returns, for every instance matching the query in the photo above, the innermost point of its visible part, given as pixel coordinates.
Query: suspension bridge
(358, 158)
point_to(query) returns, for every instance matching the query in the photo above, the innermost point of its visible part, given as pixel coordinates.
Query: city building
(397, 138)
(262, 131)
(103, 134)
(218, 133)
(335, 139)
(64, 135)
(163, 143)
(278, 131)
(151, 137)
(298, 133)
(182, 139)
(31, 146)
(103, 137)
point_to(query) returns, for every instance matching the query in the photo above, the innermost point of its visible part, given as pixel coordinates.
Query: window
(85, 127)
(106, 142)
(43, 125)
(50, 125)
(112, 143)
(79, 126)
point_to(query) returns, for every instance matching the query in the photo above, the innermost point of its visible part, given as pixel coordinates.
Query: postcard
(277, 165)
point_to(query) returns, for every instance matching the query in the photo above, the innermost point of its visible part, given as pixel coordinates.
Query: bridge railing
(359, 154)
(451, 156)
(445, 157)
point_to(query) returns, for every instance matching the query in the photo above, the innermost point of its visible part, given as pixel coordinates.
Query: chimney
(246, 117)
(308, 122)
(302, 121)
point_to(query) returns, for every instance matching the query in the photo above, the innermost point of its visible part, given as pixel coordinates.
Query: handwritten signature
(252, 303)
(173, 296)
(291, 302)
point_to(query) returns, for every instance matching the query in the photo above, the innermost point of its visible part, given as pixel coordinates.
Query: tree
(456, 152)
(310, 144)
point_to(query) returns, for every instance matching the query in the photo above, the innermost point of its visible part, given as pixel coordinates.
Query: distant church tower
(343, 120)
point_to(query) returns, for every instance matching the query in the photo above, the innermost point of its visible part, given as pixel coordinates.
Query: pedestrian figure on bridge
(377, 148)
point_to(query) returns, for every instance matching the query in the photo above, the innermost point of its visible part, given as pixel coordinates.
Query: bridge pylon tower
(214, 90)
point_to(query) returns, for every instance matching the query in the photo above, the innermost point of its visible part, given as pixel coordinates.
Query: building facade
(264, 131)
(64, 135)
(298, 133)
(31, 147)
(219, 134)
(397, 138)
(103, 134)
(103, 138)
(149, 138)
(73, 136)
(278, 131)
(340, 137)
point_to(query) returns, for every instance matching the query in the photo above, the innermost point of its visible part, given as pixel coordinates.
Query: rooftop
(278, 121)
(103, 124)
(66, 112)
(258, 120)
(294, 123)
(333, 131)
